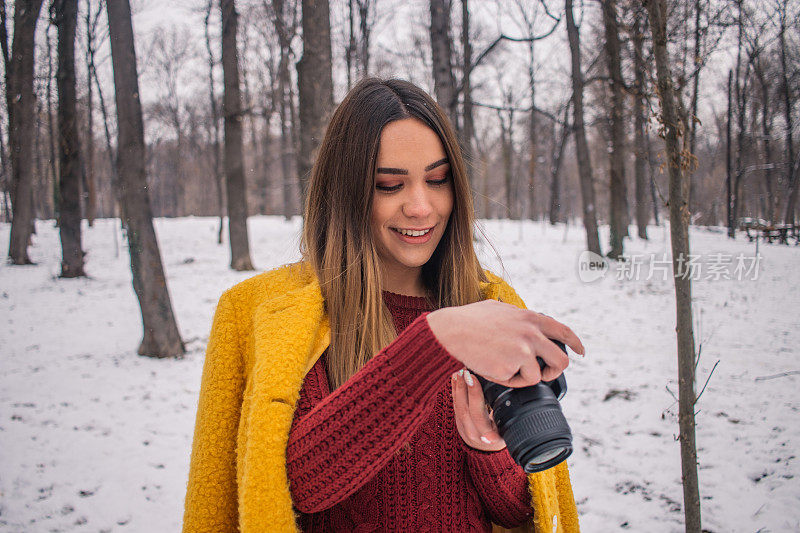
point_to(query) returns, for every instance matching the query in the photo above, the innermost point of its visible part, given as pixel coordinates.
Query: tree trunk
(69, 168)
(581, 146)
(619, 208)
(363, 24)
(444, 83)
(532, 139)
(234, 165)
(52, 166)
(791, 168)
(640, 165)
(692, 125)
(5, 167)
(468, 130)
(556, 214)
(285, 104)
(212, 94)
(508, 156)
(115, 189)
(91, 186)
(679, 236)
(315, 85)
(741, 90)
(161, 337)
(728, 161)
(766, 129)
(20, 101)
(350, 49)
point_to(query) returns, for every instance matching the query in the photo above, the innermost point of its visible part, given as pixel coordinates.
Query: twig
(706, 383)
(671, 394)
(781, 375)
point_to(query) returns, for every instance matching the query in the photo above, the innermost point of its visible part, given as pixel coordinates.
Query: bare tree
(5, 167)
(91, 21)
(20, 102)
(93, 79)
(171, 49)
(759, 69)
(619, 202)
(728, 162)
(639, 131)
(284, 18)
(315, 84)
(234, 171)
(679, 236)
(444, 83)
(66, 18)
(581, 146)
(216, 160)
(365, 8)
(507, 154)
(52, 158)
(792, 166)
(559, 142)
(161, 337)
(468, 129)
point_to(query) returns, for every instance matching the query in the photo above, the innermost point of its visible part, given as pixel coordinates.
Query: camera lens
(531, 422)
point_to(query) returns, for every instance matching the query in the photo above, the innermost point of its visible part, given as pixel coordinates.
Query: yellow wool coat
(268, 331)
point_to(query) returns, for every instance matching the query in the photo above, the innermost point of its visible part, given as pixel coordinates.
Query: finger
(461, 409)
(554, 357)
(457, 405)
(554, 329)
(477, 406)
(524, 379)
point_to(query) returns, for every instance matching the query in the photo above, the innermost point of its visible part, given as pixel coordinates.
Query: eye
(388, 188)
(441, 181)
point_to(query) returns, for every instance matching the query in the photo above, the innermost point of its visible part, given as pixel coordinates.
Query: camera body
(530, 420)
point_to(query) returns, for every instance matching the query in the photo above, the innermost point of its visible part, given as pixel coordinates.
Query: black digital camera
(530, 420)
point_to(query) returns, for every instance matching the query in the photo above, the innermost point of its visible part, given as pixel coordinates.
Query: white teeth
(413, 233)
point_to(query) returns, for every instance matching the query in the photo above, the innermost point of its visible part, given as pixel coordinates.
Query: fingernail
(461, 372)
(484, 439)
(468, 378)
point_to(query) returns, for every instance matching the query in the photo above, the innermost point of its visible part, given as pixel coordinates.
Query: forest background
(613, 115)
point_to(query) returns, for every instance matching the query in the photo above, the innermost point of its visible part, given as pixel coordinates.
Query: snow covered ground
(96, 438)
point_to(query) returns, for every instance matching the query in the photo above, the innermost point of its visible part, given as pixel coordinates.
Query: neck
(409, 285)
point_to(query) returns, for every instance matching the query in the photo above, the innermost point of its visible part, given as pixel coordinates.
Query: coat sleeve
(211, 496)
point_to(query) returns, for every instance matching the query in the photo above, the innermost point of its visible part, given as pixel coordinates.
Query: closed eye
(392, 188)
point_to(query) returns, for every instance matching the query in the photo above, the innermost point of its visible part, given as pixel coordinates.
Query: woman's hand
(473, 421)
(501, 342)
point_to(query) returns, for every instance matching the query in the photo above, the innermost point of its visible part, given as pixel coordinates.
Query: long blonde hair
(336, 238)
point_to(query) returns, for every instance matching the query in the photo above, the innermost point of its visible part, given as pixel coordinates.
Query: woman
(335, 395)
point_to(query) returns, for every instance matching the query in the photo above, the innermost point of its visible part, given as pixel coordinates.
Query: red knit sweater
(382, 452)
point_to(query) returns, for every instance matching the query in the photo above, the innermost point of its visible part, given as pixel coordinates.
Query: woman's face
(413, 193)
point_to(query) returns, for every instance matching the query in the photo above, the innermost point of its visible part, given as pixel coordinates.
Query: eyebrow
(404, 171)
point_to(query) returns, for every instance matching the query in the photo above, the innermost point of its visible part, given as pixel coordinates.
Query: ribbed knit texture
(382, 452)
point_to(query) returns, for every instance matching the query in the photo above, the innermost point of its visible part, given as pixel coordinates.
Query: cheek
(377, 217)
(447, 204)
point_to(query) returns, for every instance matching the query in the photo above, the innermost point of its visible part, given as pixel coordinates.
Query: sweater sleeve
(211, 503)
(350, 435)
(502, 486)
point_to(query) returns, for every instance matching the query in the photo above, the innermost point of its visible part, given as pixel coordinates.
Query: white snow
(96, 438)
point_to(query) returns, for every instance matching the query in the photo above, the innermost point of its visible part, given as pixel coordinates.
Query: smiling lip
(415, 229)
(422, 239)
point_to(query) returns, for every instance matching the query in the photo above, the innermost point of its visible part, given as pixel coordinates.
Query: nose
(418, 203)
